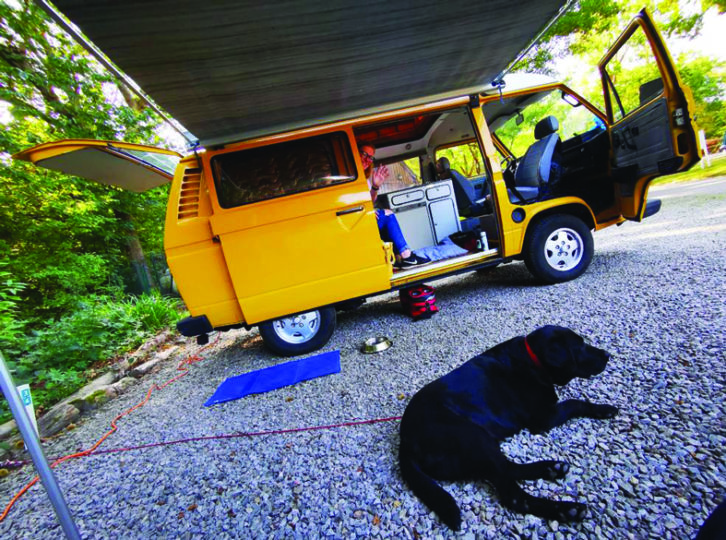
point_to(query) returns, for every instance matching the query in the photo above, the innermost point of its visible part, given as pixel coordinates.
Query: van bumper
(194, 326)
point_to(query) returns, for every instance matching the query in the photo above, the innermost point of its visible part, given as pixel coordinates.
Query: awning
(229, 69)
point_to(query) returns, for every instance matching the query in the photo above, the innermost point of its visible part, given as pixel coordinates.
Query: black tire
(559, 248)
(284, 337)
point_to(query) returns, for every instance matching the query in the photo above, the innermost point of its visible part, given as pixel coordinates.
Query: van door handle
(349, 210)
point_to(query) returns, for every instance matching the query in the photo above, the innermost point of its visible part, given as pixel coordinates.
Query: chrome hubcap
(299, 328)
(563, 249)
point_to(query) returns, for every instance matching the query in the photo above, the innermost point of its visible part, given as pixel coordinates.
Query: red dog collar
(533, 356)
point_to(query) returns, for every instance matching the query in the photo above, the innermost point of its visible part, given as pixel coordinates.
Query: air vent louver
(189, 194)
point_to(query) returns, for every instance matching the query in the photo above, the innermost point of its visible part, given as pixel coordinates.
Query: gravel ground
(653, 297)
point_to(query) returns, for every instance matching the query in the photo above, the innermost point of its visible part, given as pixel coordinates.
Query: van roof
(230, 70)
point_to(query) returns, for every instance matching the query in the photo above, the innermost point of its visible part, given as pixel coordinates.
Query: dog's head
(565, 355)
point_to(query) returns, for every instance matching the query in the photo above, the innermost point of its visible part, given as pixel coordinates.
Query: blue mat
(272, 378)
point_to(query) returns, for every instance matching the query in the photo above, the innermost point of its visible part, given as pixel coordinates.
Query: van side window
(400, 176)
(465, 158)
(266, 172)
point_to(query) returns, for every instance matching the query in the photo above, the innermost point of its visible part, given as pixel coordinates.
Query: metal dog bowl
(376, 345)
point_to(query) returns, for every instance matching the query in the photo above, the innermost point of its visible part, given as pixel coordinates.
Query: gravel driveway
(653, 297)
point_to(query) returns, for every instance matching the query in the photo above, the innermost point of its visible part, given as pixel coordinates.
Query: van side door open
(648, 114)
(296, 224)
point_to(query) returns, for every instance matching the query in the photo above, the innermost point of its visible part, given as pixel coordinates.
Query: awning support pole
(36, 453)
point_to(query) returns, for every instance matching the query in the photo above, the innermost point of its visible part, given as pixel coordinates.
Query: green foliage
(586, 16)
(465, 158)
(706, 77)
(716, 168)
(51, 79)
(64, 237)
(719, 4)
(152, 311)
(12, 327)
(572, 120)
(56, 357)
(580, 38)
(630, 69)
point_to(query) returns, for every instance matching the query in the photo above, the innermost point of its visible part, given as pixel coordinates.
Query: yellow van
(279, 230)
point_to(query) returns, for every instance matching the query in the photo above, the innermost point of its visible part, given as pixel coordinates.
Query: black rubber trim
(194, 326)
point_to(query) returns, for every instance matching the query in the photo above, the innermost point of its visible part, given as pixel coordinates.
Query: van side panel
(515, 233)
(194, 257)
(294, 254)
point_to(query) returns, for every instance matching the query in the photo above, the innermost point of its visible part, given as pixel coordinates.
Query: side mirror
(570, 99)
(519, 119)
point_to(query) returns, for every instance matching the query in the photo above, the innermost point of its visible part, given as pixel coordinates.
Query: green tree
(66, 244)
(581, 37)
(65, 237)
(706, 77)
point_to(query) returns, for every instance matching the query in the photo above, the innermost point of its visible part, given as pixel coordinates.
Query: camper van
(279, 230)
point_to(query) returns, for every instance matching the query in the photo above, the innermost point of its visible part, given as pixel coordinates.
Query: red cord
(249, 434)
(181, 367)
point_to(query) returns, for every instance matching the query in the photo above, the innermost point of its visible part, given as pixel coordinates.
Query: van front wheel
(558, 249)
(299, 334)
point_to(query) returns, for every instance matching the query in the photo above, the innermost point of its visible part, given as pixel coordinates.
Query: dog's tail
(431, 493)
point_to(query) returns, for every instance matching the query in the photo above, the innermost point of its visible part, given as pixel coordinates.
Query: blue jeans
(390, 230)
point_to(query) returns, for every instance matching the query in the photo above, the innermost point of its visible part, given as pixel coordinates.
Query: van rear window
(267, 172)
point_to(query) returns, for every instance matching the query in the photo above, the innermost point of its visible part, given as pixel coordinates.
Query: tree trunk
(137, 257)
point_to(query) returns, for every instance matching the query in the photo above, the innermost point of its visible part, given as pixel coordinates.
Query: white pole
(36, 453)
(706, 156)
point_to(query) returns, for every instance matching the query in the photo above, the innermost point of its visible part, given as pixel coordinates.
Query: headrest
(442, 164)
(546, 126)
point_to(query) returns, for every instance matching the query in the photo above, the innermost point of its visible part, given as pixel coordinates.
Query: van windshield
(266, 172)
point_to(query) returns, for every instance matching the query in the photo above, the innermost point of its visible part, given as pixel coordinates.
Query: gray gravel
(653, 297)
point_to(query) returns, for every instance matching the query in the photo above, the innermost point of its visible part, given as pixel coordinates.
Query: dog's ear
(565, 354)
(555, 347)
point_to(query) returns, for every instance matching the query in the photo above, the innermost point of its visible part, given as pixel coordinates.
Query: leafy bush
(54, 359)
(12, 327)
(153, 311)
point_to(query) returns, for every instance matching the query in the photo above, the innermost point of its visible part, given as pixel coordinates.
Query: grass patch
(717, 168)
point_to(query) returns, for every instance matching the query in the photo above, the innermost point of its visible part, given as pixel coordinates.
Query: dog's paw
(557, 470)
(571, 511)
(603, 411)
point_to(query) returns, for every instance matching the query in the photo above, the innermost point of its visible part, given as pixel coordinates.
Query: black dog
(452, 427)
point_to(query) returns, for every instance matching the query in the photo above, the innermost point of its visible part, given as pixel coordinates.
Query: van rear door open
(134, 167)
(649, 114)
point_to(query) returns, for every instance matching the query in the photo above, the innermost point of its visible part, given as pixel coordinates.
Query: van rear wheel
(299, 334)
(558, 249)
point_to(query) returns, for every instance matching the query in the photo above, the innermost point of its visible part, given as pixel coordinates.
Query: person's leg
(391, 232)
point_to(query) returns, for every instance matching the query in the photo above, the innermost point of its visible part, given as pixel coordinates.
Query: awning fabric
(230, 69)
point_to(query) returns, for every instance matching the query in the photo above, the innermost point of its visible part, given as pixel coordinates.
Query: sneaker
(411, 261)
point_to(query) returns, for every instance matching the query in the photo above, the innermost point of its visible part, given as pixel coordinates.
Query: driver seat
(540, 166)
